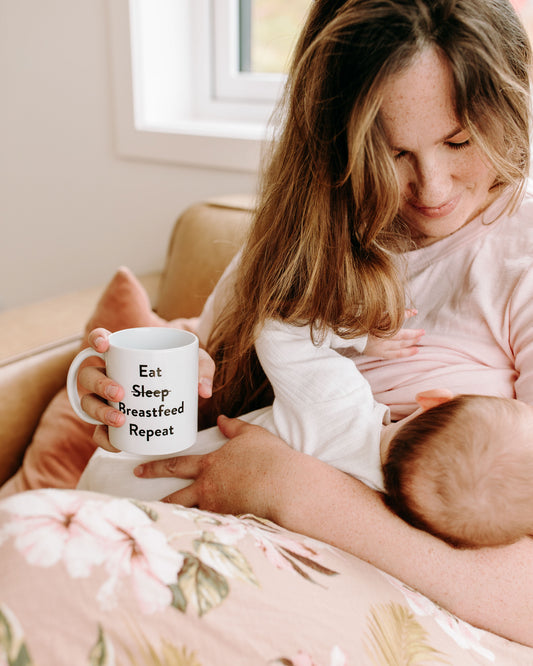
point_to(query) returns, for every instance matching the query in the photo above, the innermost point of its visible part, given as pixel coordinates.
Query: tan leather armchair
(39, 341)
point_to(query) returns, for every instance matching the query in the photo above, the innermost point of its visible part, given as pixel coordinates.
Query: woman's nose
(430, 182)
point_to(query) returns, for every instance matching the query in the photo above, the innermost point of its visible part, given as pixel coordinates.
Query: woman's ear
(432, 398)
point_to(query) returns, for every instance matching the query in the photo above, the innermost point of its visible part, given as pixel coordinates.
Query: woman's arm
(256, 472)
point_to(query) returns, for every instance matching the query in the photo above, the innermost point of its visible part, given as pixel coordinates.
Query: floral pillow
(98, 580)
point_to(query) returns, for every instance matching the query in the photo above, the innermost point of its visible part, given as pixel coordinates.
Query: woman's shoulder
(524, 212)
(515, 230)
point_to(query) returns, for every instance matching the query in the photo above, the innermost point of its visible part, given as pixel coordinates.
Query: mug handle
(72, 384)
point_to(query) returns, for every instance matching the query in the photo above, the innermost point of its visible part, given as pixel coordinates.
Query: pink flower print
(281, 550)
(229, 532)
(49, 526)
(286, 553)
(464, 634)
(135, 550)
(338, 658)
(273, 554)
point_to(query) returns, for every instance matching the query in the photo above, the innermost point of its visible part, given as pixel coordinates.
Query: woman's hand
(257, 472)
(402, 345)
(101, 388)
(246, 475)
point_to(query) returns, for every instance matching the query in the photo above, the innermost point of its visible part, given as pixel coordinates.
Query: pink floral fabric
(98, 580)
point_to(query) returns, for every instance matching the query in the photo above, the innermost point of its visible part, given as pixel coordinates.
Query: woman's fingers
(94, 380)
(181, 467)
(99, 339)
(232, 427)
(206, 371)
(187, 496)
(101, 438)
(106, 388)
(101, 411)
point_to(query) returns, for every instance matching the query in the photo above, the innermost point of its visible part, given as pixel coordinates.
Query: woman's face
(444, 178)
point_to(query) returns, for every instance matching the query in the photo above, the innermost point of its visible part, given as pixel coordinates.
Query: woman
(406, 129)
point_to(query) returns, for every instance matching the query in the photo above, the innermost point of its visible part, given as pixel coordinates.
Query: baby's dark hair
(463, 471)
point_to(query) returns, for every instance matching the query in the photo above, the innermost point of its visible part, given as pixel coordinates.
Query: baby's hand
(402, 345)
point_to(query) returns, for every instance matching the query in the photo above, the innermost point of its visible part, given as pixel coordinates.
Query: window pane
(269, 29)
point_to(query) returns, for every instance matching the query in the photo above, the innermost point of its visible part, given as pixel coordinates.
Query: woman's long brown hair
(325, 239)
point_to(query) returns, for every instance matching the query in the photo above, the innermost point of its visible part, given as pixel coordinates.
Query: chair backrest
(206, 236)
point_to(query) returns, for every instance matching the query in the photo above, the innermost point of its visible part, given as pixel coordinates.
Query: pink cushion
(62, 443)
(152, 583)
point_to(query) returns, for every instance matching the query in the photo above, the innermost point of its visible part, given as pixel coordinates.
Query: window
(253, 42)
(195, 81)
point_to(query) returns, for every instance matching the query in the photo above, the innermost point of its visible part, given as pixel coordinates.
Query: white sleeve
(323, 406)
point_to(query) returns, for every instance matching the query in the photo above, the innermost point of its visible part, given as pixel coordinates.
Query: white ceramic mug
(158, 369)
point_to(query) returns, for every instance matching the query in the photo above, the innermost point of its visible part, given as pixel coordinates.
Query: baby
(463, 470)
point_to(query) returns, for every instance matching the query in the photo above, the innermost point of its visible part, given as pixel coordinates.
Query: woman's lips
(436, 211)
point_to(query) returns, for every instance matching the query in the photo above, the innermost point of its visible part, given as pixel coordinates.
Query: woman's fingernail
(207, 385)
(112, 391)
(114, 418)
(139, 470)
(98, 341)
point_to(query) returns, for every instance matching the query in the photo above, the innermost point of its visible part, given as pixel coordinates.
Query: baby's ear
(432, 398)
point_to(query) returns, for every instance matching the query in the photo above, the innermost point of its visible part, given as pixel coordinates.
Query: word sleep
(139, 391)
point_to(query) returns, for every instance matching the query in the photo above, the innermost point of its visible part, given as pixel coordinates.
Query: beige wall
(71, 210)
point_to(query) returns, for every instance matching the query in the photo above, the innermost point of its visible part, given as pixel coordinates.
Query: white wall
(71, 210)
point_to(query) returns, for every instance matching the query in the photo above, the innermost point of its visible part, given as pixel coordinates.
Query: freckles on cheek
(475, 166)
(478, 177)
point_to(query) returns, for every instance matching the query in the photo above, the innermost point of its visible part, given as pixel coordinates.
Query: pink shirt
(474, 295)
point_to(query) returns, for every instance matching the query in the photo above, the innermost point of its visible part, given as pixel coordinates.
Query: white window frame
(189, 116)
(230, 83)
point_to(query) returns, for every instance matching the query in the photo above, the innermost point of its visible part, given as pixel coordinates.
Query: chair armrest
(27, 384)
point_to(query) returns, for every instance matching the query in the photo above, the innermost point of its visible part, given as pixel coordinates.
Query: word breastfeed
(161, 410)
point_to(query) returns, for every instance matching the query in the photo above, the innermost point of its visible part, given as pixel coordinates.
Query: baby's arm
(323, 406)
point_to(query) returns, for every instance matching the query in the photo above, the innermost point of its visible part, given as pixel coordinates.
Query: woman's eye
(459, 146)
(399, 154)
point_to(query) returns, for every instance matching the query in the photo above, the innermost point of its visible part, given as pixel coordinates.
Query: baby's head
(463, 470)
